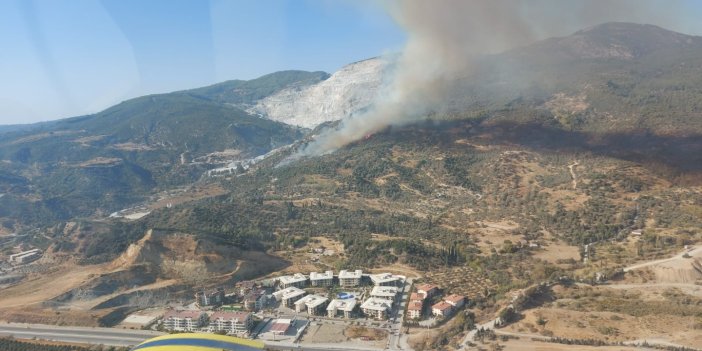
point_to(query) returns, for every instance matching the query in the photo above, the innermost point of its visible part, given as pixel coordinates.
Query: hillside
(101, 163)
(616, 77)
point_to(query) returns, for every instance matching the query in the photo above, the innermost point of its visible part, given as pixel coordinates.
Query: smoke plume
(446, 36)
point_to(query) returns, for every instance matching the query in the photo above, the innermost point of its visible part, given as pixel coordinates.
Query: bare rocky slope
(348, 91)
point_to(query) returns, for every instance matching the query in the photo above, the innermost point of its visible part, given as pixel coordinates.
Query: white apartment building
(376, 308)
(387, 279)
(288, 296)
(231, 322)
(322, 279)
(414, 309)
(350, 279)
(385, 292)
(184, 320)
(313, 304)
(297, 280)
(345, 306)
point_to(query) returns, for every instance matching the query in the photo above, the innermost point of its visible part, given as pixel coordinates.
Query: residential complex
(350, 279)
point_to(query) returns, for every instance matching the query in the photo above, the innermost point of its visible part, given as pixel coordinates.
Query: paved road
(691, 252)
(104, 336)
(316, 347)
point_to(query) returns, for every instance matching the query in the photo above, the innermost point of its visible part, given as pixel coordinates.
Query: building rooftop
(291, 279)
(376, 304)
(385, 278)
(426, 287)
(415, 306)
(311, 301)
(254, 295)
(320, 276)
(417, 297)
(193, 314)
(281, 325)
(230, 315)
(442, 306)
(288, 292)
(454, 298)
(385, 291)
(357, 274)
(346, 305)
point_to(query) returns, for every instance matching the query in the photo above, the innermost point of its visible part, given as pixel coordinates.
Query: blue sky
(62, 58)
(67, 58)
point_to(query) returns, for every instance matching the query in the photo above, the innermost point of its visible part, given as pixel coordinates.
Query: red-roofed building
(414, 309)
(454, 300)
(428, 290)
(231, 322)
(281, 326)
(184, 320)
(441, 309)
(417, 297)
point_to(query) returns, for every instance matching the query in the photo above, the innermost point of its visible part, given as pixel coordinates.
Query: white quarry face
(346, 92)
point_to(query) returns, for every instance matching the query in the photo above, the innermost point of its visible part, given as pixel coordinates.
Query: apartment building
(297, 280)
(314, 305)
(322, 279)
(341, 308)
(237, 323)
(288, 296)
(184, 320)
(350, 279)
(376, 308)
(210, 298)
(387, 279)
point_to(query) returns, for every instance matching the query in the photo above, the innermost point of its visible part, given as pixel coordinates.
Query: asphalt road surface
(104, 336)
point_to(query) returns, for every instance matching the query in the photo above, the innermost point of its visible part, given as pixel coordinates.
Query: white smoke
(446, 36)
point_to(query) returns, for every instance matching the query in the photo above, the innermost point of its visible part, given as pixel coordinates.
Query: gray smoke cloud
(446, 36)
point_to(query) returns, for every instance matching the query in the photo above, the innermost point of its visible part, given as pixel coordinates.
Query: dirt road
(571, 168)
(690, 251)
